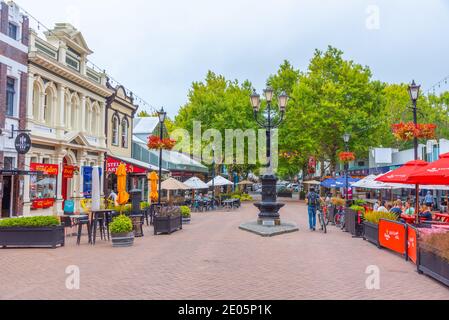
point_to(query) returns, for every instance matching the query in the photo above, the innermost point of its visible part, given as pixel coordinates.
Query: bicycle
(339, 218)
(322, 219)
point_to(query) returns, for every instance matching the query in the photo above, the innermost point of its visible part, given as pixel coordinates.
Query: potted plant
(433, 256)
(186, 214)
(122, 234)
(371, 225)
(167, 220)
(29, 232)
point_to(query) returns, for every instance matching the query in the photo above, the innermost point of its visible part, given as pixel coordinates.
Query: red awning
(435, 173)
(402, 174)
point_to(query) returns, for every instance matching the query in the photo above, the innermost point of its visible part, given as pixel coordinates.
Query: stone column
(41, 108)
(82, 127)
(60, 114)
(29, 110)
(62, 53)
(59, 160)
(26, 188)
(102, 124)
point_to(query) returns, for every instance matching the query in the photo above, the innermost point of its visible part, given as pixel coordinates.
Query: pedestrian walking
(312, 199)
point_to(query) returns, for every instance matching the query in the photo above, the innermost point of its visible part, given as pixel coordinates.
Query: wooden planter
(352, 224)
(285, 195)
(371, 233)
(167, 225)
(43, 237)
(331, 213)
(120, 240)
(433, 265)
(186, 220)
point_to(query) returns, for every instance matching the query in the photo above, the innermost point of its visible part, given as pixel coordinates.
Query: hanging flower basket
(346, 156)
(289, 155)
(408, 131)
(155, 143)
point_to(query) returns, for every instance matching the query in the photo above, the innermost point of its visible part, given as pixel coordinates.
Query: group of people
(399, 208)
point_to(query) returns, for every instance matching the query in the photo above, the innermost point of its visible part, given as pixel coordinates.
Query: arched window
(36, 101)
(115, 129)
(124, 133)
(88, 117)
(48, 111)
(96, 125)
(67, 111)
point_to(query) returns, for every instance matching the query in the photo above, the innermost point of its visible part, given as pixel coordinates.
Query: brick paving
(213, 259)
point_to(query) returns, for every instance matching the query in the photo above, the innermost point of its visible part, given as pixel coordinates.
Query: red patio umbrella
(436, 173)
(402, 174)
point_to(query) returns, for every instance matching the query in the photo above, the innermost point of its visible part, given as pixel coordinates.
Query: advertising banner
(392, 236)
(46, 169)
(412, 241)
(43, 203)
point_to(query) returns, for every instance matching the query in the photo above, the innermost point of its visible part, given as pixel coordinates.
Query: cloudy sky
(158, 48)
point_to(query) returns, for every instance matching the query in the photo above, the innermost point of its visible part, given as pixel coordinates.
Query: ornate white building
(66, 116)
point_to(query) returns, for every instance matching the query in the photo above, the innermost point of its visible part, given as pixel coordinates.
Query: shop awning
(133, 166)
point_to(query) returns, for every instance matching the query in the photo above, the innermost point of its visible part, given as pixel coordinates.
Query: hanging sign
(23, 143)
(68, 172)
(112, 165)
(46, 169)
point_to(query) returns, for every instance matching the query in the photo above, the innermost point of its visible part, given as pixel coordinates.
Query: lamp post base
(269, 207)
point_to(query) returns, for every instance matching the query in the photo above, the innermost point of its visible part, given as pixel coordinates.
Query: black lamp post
(269, 207)
(346, 138)
(413, 91)
(213, 177)
(162, 115)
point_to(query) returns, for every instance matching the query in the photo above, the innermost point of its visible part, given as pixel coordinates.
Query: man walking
(312, 199)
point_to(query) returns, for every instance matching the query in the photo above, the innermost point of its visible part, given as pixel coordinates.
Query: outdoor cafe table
(98, 214)
(230, 203)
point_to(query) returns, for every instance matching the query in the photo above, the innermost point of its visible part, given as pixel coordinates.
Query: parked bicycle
(339, 218)
(321, 212)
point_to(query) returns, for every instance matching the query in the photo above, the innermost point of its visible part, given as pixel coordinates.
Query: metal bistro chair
(69, 209)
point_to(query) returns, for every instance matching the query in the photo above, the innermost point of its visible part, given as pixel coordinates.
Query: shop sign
(23, 143)
(392, 236)
(46, 169)
(68, 172)
(112, 165)
(43, 203)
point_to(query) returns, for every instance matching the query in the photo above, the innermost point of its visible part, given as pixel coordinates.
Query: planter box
(285, 195)
(186, 220)
(44, 237)
(167, 224)
(331, 213)
(351, 223)
(433, 265)
(371, 233)
(120, 240)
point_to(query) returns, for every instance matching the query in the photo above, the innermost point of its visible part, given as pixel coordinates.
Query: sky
(157, 48)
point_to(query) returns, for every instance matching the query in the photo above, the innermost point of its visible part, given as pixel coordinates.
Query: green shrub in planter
(30, 222)
(121, 224)
(357, 209)
(185, 212)
(359, 202)
(375, 216)
(144, 205)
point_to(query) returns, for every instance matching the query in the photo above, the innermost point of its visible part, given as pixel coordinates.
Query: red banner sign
(112, 165)
(412, 244)
(43, 203)
(68, 172)
(47, 169)
(392, 235)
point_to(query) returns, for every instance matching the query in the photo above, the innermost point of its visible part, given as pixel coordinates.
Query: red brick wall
(4, 18)
(13, 53)
(3, 73)
(26, 31)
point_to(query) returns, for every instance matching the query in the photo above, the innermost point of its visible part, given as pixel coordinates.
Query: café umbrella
(123, 196)
(435, 173)
(153, 179)
(402, 174)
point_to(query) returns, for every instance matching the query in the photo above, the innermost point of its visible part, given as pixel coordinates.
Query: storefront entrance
(7, 196)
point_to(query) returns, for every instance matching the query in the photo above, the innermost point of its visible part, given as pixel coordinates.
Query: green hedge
(30, 222)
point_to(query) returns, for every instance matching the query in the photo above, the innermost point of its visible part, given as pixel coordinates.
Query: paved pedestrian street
(213, 259)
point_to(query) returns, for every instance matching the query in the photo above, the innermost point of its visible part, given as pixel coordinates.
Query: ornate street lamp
(413, 91)
(162, 115)
(269, 207)
(346, 138)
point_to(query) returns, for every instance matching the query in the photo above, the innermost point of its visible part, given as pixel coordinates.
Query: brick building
(14, 37)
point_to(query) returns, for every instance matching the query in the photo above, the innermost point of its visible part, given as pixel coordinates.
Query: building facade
(14, 37)
(66, 115)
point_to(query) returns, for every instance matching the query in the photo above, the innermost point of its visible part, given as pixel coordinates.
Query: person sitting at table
(382, 207)
(425, 213)
(397, 209)
(377, 205)
(409, 210)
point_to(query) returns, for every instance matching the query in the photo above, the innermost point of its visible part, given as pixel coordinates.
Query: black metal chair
(83, 222)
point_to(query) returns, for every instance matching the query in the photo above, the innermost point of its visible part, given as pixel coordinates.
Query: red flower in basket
(426, 131)
(168, 143)
(155, 142)
(346, 156)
